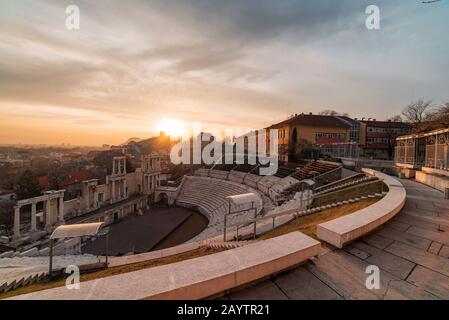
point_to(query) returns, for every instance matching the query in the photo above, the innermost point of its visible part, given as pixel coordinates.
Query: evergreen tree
(28, 186)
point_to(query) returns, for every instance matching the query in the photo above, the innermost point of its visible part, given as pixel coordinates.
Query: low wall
(434, 178)
(368, 163)
(152, 255)
(340, 231)
(196, 278)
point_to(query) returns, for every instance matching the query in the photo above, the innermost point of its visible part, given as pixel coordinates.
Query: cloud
(243, 63)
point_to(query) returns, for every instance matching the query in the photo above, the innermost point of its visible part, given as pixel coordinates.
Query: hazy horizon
(139, 67)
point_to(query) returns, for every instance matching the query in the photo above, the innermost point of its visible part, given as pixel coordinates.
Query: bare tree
(444, 109)
(440, 118)
(418, 111)
(396, 118)
(329, 112)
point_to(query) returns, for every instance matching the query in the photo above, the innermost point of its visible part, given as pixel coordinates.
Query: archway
(162, 199)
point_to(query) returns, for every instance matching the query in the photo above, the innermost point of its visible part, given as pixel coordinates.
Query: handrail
(290, 211)
(326, 173)
(339, 181)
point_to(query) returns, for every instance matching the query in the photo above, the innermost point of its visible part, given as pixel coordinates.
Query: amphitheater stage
(158, 228)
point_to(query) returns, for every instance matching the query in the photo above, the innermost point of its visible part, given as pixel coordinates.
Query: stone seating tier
(196, 278)
(208, 195)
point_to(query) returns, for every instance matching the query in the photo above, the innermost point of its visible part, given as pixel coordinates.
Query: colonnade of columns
(90, 194)
(150, 182)
(118, 189)
(118, 179)
(151, 163)
(119, 165)
(47, 199)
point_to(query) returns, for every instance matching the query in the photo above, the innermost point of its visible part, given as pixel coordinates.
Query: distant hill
(146, 146)
(134, 139)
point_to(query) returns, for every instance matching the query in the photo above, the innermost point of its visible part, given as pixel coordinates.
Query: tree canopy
(28, 186)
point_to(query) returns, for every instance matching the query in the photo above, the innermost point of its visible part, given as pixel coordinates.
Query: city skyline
(130, 68)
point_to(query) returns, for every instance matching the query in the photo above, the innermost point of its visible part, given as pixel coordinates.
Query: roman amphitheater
(225, 231)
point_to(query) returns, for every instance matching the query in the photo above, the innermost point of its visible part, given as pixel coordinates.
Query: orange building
(300, 131)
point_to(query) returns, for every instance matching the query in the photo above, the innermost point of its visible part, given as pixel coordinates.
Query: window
(330, 136)
(378, 140)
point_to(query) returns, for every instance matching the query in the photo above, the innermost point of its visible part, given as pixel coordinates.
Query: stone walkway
(411, 251)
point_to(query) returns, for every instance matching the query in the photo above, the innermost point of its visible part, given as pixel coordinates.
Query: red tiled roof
(44, 181)
(74, 177)
(313, 120)
(78, 176)
(386, 124)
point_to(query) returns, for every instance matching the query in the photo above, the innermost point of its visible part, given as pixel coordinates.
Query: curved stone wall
(340, 231)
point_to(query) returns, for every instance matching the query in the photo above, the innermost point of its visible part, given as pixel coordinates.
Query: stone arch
(162, 198)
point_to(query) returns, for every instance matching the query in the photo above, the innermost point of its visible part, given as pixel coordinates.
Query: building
(377, 138)
(424, 156)
(338, 136)
(71, 183)
(298, 133)
(123, 194)
(354, 129)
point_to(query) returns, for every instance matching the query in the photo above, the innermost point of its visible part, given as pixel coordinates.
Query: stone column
(113, 191)
(48, 214)
(16, 222)
(61, 210)
(118, 190)
(33, 217)
(87, 196)
(125, 194)
(96, 199)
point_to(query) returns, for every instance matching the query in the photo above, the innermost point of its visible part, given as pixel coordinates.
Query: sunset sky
(246, 63)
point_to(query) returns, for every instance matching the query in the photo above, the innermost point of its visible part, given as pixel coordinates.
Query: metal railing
(255, 220)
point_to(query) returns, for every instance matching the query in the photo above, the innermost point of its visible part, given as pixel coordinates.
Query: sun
(172, 127)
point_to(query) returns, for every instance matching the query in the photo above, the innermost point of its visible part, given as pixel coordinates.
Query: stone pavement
(411, 251)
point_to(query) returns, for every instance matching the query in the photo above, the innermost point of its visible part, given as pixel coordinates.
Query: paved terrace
(411, 250)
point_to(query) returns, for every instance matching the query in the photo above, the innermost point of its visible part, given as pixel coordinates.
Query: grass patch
(113, 271)
(346, 194)
(307, 224)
